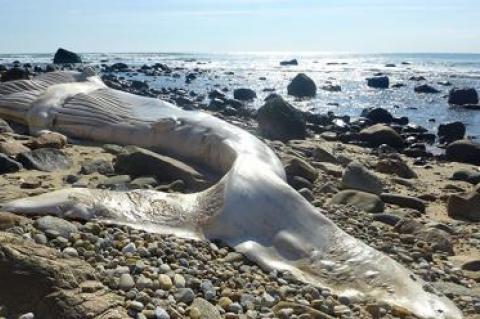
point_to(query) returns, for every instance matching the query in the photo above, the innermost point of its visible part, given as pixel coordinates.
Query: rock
(425, 88)
(388, 219)
(279, 120)
(308, 194)
(63, 56)
(408, 226)
(70, 251)
(378, 82)
(450, 132)
(144, 182)
(165, 282)
(404, 201)
(61, 226)
(298, 167)
(299, 182)
(367, 202)
(332, 88)
(119, 67)
(438, 239)
(356, 176)
(100, 166)
(328, 188)
(138, 162)
(379, 134)
(5, 127)
(466, 206)
(462, 96)
(377, 115)
(14, 74)
(8, 220)
(206, 309)
(126, 282)
(48, 140)
(45, 159)
(29, 315)
(8, 165)
(395, 166)
(289, 62)
(185, 295)
(161, 313)
(129, 248)
(473, 265)
(244, 94)
(13, 148)
(464, 151)
(118, 182)
(36, 273)
(469, 176)
(302, 86)
(322, 155)
(113, 149)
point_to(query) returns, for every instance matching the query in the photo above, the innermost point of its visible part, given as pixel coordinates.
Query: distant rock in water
(244, 94)
(14, 73)
(279, 120)
(289, 62)
(462, 96)
(377, 115)
(464, 151)
(63, 56)
(378, 82)
(302, 86)
(450, 132)
(425, 88)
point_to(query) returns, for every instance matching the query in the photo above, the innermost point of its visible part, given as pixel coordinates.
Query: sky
(363, 26)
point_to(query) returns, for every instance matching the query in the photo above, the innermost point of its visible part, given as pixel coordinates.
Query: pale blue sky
(29, 26)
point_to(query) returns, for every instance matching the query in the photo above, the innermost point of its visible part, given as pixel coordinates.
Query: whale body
(251, 208)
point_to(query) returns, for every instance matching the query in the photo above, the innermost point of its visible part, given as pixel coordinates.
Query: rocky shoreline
(373, 176)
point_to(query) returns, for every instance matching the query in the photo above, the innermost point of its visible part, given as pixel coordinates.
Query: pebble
(126, 282)
(185, 295)
(165, 282)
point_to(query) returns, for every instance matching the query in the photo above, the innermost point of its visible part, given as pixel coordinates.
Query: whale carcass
(251, 207)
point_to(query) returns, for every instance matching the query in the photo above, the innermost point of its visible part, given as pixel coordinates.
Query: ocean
(262, 73)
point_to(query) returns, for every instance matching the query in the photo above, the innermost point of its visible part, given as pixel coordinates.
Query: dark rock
(469, 176)
(379, 82)
(14, 74)
(332, 88)
(8, 165)
(216, 94)
(4, 127)
(379, 134)
(244, 94)
(464, 151)
(139, 162)
(368, 202)
(302, 86)
(473, 265)
(404, 201)
(45, 159)
(278, 119)
(461, 96)
(417, 78)
(425, 88)
(100, 166)
(63, 56)
(119, 67)
(299, 182)
(388, 219)
(450, 132)
(377, 115)
(289, 62)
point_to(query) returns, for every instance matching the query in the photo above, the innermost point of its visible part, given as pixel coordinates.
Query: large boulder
(14, 74)
(302, 86)
(404, 201)
(377, 115)
(462, 96)
(464, 151)
(244, 94)
(395, 166)
(137, 162)
(378, 82)
(379, 134)
(278, 119)
(450, 132)
(466, 206)
(45, 159)
(357, 176)
(368, 202)
(63, 56)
